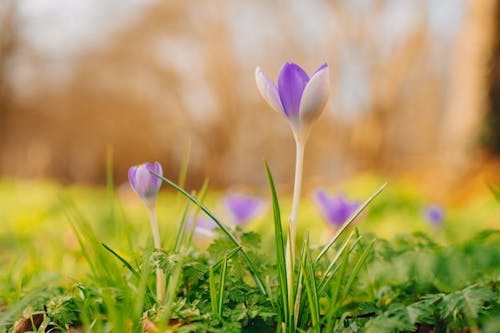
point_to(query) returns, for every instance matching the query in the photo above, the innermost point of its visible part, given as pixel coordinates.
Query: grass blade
(181, 231)
(355, 271)
(122, 260)
(338, 301)
(201, 198)
(213, 290)
(229, 255)
(221, 287)
(311, 288)
(280, 249)
(333, 267)
(333, 300)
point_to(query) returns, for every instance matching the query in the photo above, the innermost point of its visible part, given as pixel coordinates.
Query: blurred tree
(464, 117)
(403, 96)
(493, 119)
(7, 46)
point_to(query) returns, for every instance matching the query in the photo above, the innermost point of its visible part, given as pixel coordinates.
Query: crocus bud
(337, 209)
(299, 97)
(242, 207)
(144, 183)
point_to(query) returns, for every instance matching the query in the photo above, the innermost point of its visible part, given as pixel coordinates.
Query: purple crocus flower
(242, 207)
(144, 183)
(336, 209)
(299, 97)
(147, 185)
(434, 214)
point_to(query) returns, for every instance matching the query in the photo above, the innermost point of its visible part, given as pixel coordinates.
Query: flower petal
(143, 180)
(291, 83)
(242, 207)
(322, 198)
(315, 94)
(320, 68)
(337, 209)
(157, 169)
(131, 176)
(268, 90)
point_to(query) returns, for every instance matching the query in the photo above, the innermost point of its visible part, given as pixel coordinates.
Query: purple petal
(315, 94)
(322, 198)
(242, 207)
(335, 210)
(157, 169)
(143, 180)
(268, 90)
(144, 183)
(320, 68)
(131, 176)
(291, 83)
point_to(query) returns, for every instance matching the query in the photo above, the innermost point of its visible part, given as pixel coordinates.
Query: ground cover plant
(446, 277)
(200, 272)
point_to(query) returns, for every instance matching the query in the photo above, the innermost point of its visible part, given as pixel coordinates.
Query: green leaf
(311, 288)
(280, 250)
(468, 303)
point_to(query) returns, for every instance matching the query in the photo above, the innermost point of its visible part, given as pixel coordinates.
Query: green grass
(83, 257)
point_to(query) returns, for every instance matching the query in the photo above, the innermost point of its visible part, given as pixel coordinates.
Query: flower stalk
(292, 220)
(160, 275)
(146, 185)
(301, 99)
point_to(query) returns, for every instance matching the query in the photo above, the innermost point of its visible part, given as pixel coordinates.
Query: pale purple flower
(336, 209)
(434, 214)
(144, 183)
(204, 225)
(299, 97)
(242, 207)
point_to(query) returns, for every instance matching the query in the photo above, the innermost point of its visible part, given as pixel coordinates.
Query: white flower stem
(160, 275)
(299, 162)
(292, 220)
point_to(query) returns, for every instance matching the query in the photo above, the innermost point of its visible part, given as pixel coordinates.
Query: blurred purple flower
(434, 214)
(336, 209)
(299, 97)
(204, 225)
(242, 207)
(144, 183)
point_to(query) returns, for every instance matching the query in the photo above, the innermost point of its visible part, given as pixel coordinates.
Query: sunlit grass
(38, 246)
(35, 229)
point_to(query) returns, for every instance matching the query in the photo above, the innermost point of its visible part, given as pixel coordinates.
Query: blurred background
(415, 88)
